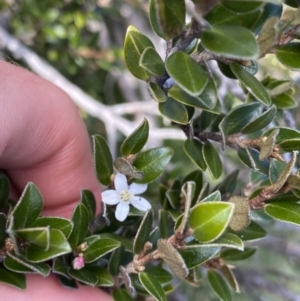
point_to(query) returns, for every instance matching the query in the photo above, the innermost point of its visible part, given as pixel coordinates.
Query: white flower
(124, 195)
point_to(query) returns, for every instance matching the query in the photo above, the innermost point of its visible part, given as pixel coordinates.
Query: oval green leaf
(84, 276)
(152, 286)
(230, 41)
(134, 45)
(156, 92)
(212, 160)
(121, 295)
(284, 101)
(39, 237)
(236, 255)
(253, 232)
(100, 248)
(28, 207)
(153, 162)
(152, 62)
(193, 148)
(289, 55)
(136, 140)
(87, 198)
(219, 285)
(253, 85)
(188, 74)
(102, 159)
(209, 220)
(14, 279)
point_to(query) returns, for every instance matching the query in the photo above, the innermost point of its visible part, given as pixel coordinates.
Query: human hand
(43, 140)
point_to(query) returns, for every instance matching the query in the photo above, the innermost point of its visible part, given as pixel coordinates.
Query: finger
(44, 140)
(49, 289)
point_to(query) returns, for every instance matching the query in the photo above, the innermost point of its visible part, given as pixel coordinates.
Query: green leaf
(60, 266)
(3, 221)
(188, 74)
(102, 159)
(152, 62)
(4, 190)
(154, 19)
(87, 198)
(276, 169)
(153, 162)
(84, 276)
(156, 92)
(195, 256)
(115, 260)
(152, 286)
(290, 145)
(260, 122)
(174, 111)
(209, 220)
(163, 223)
(253, 232)
(80, 220)
(99, 248)
(236, 255)
(163, 276)
(121, 295)
(104, 279)
(126, 243)
(136, 140)
(15, 279)
(253, 85)
(289, 55)
(215, 196)
(230, 41)
(212, 160)
(288, 212)
(170, 17)
(219, 285)
(230, 278)
(284, 134)
(143, 232)
(242, 6)
(39, 237)
(194, 149)
(58, 246)
(20, 264)
(241, 116)
(284, 101)
(134, 45)
(54, 222)
(28, 207)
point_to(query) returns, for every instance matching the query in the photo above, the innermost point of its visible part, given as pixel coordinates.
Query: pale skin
(43, 140)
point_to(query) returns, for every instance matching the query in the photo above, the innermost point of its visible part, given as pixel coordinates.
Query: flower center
(125, 195)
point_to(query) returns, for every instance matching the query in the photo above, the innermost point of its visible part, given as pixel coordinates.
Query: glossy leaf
(215, 196)
(194, 149)
(230, 41)
(88, 200)
(100, 248)
(153, 162)
(28, 207)
(290, 145)
(212, 160)
(104, 279)
(84, 276)
(115, 260)
(163, 276)
(126, 243)
(163, 223)
(143, 232)
(136, 140)
(121, 295)
(252, 233)
(80, 220)
(209, 220)
(187, 73)
(219, 285)
(3, 226)
(152, 62)
(14, 279)
(195, 256)
(242, 6)
(58, 246)
(253, 85)
(169, 19)
(284, 101)
(236, 255)
(156, 92)
(152, 286)
(174, 111)
(4, 189)
(102, 160)
(289, 55)
(241, 116)
(288, 212)
(260, 122)
(39, 237)
(284, 134)
(134, 45)
(17, 262)
(230, 278)
(60, 266)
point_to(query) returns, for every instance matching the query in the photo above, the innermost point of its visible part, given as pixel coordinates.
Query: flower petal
(140, 203)
(135, 188)
(122, 211)
(110, 197)
(120, 182)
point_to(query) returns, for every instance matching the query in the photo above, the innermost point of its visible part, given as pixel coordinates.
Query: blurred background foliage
(83, 40)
